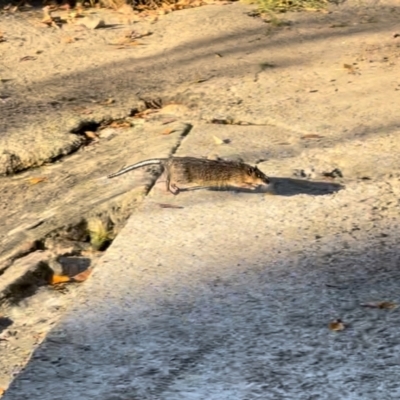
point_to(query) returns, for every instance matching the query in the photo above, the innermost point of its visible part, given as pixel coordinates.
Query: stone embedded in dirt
(91, 22)
(56, 267)
(174, 109)
(335, 173)
(108, 133)
(308, 173)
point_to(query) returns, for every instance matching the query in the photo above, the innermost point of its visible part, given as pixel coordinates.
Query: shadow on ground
(293, 187)
(260, 331)
(147, 75)
(5, 322)
(284, 187)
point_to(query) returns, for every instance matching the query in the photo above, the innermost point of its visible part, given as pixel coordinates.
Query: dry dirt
(324, 87)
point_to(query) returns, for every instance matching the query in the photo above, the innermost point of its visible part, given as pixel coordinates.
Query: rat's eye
(250, 171)
(258, 173)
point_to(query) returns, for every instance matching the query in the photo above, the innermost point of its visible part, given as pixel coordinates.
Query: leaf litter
(336, 325)
(37, 179)
(81, 277)
(383, 305)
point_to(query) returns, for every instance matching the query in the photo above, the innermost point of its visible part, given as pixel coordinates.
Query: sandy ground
(322, 91)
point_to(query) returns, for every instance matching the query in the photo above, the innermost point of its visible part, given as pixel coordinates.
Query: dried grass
(290, 5)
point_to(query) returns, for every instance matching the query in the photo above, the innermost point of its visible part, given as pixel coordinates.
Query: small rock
(107, 133)
(56, 267)
(91, 22)
(308, 173)
(62, 247)
(335, 173)
(174, 109)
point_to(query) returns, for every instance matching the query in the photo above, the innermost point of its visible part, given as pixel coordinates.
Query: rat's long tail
(137, 165)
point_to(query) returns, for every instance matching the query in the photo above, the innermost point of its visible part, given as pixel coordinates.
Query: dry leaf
(387, 305)
(107, 102)
(137, 35)
(47, 18)
(164, 205)
(167, 131)
(350, 68)
(56, 279)
(127, 45)
(55, 22)
(144, 114)
(230, 121)
(38, 179)
(120, 124)
(68, 39)
(222, 121)
(2, 391)
(47, 21)
(82, 276)
(245, 123)
(201, 80)
(27, 58)
(168, 121)
(91, 135)
(79, 7)
(217, 140)
(336, 325)
(311, 136)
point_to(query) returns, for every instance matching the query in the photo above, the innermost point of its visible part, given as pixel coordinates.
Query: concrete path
(229, 296)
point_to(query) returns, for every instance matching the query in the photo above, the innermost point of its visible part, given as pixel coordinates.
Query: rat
(204, 173)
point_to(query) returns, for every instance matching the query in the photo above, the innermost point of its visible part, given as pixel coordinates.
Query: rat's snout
(265, 181)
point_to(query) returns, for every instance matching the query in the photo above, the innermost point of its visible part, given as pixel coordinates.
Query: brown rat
(204, 173)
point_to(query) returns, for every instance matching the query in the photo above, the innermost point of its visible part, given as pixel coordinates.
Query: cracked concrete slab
(212, 294)
(71, 192)
(230, 297)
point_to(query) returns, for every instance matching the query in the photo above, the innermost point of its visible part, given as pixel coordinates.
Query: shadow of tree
(165, 71)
